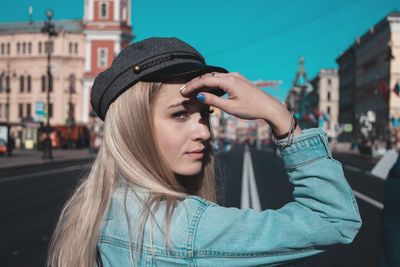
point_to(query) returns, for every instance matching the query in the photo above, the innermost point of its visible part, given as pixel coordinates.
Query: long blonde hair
(128, 150)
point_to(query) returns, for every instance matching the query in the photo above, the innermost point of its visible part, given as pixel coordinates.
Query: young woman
(149, 197)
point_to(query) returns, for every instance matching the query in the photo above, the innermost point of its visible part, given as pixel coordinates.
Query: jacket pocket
(149, 261)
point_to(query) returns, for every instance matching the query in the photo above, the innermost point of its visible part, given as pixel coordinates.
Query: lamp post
(49, 29)
(70, 118)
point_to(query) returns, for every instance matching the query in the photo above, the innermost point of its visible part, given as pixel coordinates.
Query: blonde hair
(129, 150)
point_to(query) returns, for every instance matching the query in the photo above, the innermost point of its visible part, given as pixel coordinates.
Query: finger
(220, 74)
(213, 100)
(237, 75)
(208, 81)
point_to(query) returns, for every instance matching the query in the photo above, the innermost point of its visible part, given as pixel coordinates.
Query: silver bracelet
(290, 138)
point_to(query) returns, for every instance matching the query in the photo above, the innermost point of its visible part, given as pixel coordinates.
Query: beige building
(23, 69)
(326, 90)
(81, 50)
(24, 79)
(369, 71)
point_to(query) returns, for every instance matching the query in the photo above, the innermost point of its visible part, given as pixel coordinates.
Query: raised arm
(324, 212)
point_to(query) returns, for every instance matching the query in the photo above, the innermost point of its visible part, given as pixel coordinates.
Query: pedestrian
(149, 199)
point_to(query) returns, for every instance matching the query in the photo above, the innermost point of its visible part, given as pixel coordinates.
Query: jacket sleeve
(323, 212)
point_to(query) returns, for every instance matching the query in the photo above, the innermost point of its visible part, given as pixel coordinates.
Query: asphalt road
(31, 200)
(275, 191)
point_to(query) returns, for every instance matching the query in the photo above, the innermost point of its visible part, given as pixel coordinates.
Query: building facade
(347, 79)
(369, 71)
(23, 70)
(326, 100)
(80, 51)
(107, 30)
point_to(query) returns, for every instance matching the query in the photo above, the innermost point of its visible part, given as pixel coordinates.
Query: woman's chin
(193, 170)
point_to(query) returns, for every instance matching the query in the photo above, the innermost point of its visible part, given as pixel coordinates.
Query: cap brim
(185, 71)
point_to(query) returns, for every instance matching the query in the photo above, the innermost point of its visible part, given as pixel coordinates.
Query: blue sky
(262, 39)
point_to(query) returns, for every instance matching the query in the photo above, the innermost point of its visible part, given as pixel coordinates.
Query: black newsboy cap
(154, 59)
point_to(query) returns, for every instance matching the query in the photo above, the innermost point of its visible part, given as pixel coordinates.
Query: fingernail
(201, 97)
(182, 89)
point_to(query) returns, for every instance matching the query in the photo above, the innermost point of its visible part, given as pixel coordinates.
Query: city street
(33, 196)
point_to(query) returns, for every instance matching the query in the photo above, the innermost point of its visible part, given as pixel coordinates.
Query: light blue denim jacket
(324, 212)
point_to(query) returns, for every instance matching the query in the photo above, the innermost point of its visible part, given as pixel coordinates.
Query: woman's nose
(201, 130)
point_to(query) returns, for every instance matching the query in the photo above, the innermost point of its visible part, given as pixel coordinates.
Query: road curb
(47, 163)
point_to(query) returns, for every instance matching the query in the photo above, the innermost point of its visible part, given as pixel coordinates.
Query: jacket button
(137, 69)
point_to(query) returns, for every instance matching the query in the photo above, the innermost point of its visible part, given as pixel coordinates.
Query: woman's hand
(245, 100)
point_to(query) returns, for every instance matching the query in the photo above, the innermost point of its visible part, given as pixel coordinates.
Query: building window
(43, 83)
(21, 84)
(70, 48)
(49, 46)
(1, 110)
(40, 48)
(103, 11)
(124, 16)
(2, 48)
(328, 110)
(329, 96)
(1, 84)
(50, 110)
(76, 48)
(20, 110)
(102, 57)
(18, 48)
(72, 82)
(7, 110)
(29, 48)
(29, 83)
(8, 48)
(329, 82)
(28, 110)
(8, 88)
(23, 48)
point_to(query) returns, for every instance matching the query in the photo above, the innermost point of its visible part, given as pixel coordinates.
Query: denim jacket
(323, 212)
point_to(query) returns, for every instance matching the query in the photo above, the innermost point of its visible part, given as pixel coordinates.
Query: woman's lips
(196, 155)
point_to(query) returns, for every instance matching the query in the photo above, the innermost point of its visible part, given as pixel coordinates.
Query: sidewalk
(34, 157)
(345, 148)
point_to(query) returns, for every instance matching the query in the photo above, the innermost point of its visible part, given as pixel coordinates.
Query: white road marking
(369, 200)
(355, 169)
(249, 197)
(382, 168)
(373, 176)
(40, 173)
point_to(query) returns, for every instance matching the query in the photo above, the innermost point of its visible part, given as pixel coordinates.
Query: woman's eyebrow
(184, 103)
(175, 105)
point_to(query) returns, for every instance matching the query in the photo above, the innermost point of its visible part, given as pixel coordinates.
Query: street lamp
(70, 115)
(49, 29)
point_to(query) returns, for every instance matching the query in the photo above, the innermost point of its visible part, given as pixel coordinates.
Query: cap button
(136, 69)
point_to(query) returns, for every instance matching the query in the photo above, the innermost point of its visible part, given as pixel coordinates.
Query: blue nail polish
(201, 97)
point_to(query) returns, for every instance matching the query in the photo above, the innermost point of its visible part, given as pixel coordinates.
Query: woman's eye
(180, 115)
